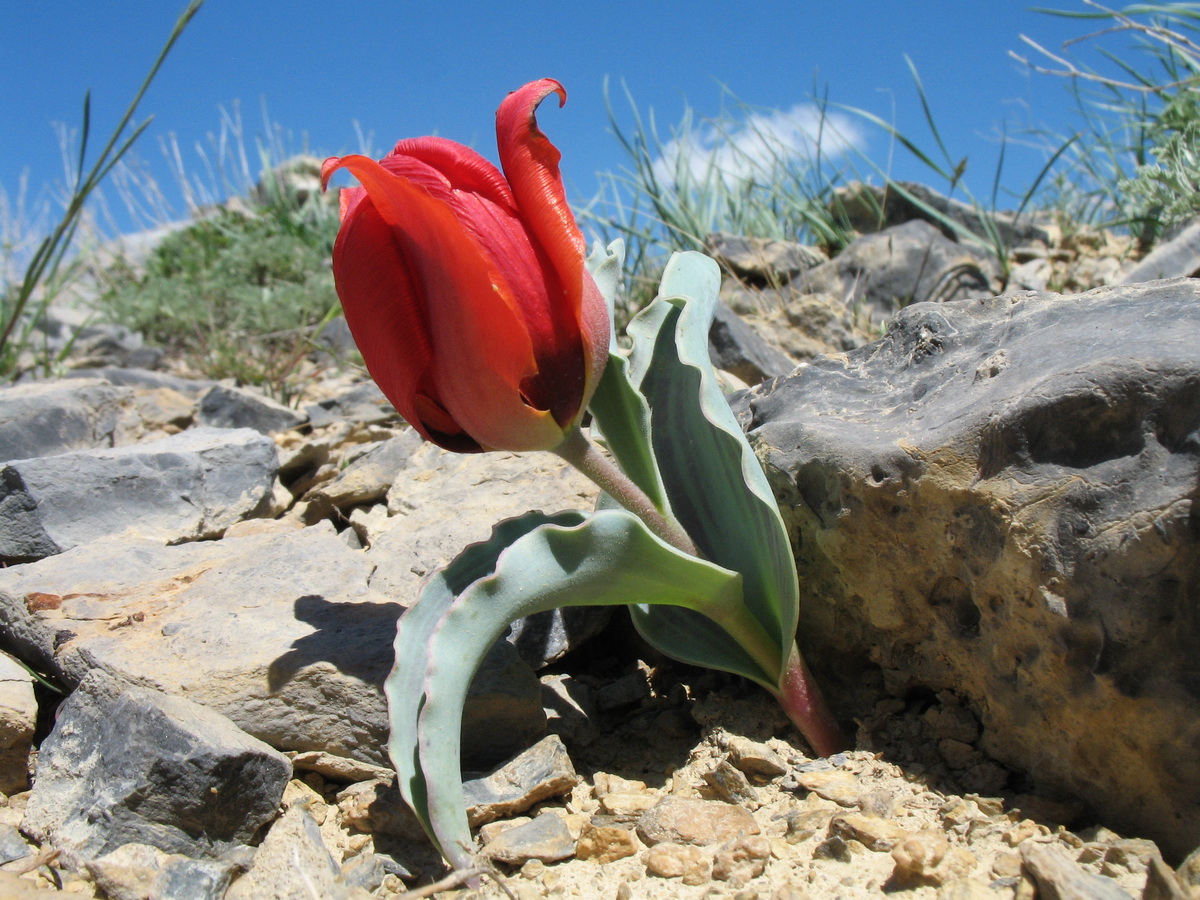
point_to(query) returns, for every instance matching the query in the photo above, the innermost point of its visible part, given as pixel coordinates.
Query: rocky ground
(213, 579)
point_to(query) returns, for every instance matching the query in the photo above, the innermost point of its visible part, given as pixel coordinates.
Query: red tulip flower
(465, 289)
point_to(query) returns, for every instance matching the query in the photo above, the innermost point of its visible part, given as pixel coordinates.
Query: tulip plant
(485, 323)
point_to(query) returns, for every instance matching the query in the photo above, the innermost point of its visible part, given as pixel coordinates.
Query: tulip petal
(462, 168)
(387, 321)
(530, 162)
(475, 326)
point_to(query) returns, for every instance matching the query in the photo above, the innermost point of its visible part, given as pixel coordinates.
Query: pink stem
(802, 701)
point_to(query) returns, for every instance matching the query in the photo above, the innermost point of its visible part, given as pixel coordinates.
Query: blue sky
(400, 68)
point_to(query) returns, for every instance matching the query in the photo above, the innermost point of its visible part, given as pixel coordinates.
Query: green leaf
(619, 412)
(715, 485)
(404, 687)
(531, 564)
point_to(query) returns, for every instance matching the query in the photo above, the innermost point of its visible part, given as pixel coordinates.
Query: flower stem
(802, 701)
(585, 456)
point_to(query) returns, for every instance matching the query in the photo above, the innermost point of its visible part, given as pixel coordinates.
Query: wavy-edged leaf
(715, 485)
(609, 559)
(404, 687)
(619, 412)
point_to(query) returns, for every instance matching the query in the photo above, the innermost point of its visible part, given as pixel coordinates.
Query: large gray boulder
(1001, 499)
(189, 486)
(127, 764)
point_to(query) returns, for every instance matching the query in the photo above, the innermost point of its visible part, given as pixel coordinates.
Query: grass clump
(239, 293)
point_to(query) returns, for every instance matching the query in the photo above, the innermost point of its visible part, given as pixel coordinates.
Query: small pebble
(742, 859)
(605, 843)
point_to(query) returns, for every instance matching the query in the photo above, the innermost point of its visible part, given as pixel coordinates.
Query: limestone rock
(544, 770)
(292, 863)
(186, 487)
(46, 418)
(762, 260)
(1177, 257)
(546, 838)
(18, 719)
(702, 822)
(142, 872)
(999, 498)
(869, 208)
(230, 407)
(127, 764)
(280, 632)
(901, 265)
(735, 347)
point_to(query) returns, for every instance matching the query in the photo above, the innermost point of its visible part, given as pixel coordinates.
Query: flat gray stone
(189, 486)
(1178, 257)
(128, 764)
(368, 478)
(543, 771)
(46, 418)
(545, 838)
(733, 346)
(230, 407)
(999, 498)
(280, 632)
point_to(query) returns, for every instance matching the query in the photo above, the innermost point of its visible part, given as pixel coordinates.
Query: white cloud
(756, 146)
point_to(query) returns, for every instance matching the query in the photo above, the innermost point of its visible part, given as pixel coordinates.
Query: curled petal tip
(328, 167)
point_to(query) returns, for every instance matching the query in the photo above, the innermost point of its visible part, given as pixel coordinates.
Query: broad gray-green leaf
(714, 483)
(404, 687)
(609, 559)
(619, 412)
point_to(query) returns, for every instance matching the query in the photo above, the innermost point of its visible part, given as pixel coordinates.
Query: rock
(606, 843)
(730, 785)
(13, 845)
(47, 418)
(142, 872)
(377, 808)
(542, 771)
(1162, 883)
(868, 208)
(800, 325)
(683, 861)
(368, 478)
(441, 502)
(293, 863)
(280, 632)
(127, 764)
(546, 637)
(1037, 456)
(741, 859)
(624, 691)
(762, 260)
(804, 823)
(569, 707)
(1058, 878)
(231, 407)
(340, 768)
(18, 720)
(627, 805)
(901, 265)
(873, 832)
(753, 758)
(733, 346)
(1178, 257)
(546, 838)
(142, 380)
(832, 784)
(187, 487)
(163, 409)
(702, 822)
(363, 403)
(292, 183)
